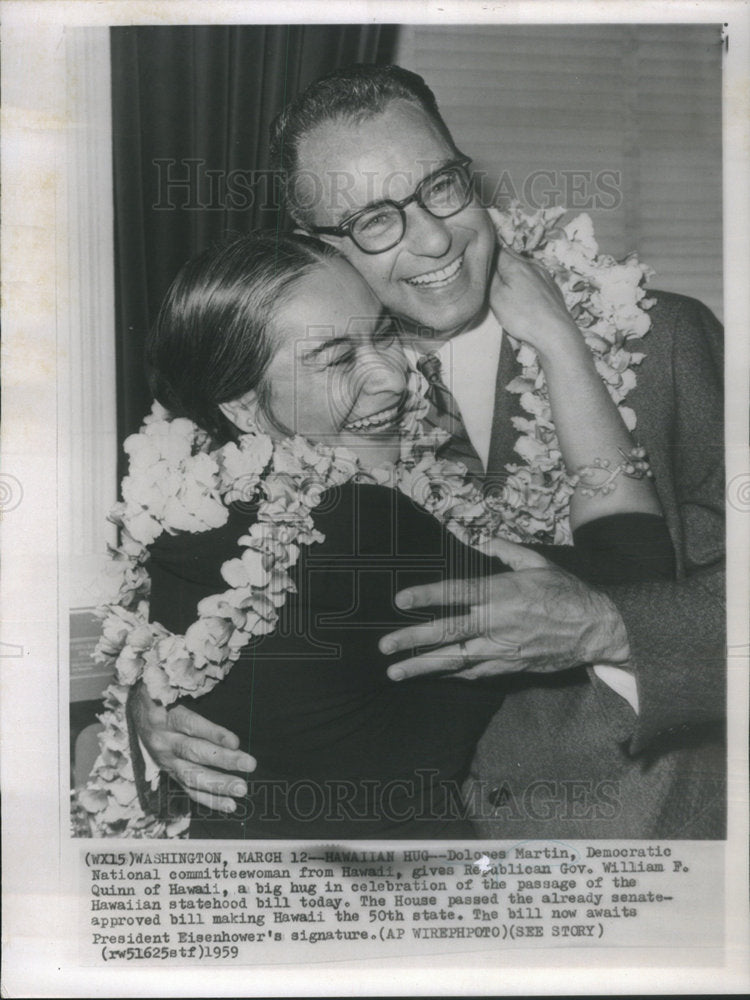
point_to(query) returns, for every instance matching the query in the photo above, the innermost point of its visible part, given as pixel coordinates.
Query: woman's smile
(338, 375)
(380, 420)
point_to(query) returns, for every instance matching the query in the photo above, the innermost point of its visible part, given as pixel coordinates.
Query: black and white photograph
(373, 430)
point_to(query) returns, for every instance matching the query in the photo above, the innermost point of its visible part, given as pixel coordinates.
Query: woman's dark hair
(211, 342)
(352, 94)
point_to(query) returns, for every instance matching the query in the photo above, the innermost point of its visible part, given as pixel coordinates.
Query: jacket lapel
(507, 405)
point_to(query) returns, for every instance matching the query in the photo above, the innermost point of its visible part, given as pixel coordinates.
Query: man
(631, 748)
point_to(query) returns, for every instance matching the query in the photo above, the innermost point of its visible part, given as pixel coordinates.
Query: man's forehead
(345, 165)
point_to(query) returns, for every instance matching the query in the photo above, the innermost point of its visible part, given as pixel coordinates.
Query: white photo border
(40, 923)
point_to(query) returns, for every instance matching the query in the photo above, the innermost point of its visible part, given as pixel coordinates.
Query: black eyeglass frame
(345, 228)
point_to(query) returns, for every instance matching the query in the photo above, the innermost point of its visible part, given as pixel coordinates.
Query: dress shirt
(469, 367)
(469, 370)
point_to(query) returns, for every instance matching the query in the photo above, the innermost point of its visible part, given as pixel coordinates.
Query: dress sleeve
(185, 568)
(619, 548)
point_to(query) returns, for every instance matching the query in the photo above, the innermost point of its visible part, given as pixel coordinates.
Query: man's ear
(242, 412)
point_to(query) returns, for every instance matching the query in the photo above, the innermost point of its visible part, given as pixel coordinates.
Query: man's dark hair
(351, 94)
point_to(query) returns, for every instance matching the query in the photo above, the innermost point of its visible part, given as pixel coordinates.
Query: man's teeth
(436, 279)
(380, 419)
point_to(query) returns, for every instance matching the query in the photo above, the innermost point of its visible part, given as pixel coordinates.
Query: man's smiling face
(438, 275)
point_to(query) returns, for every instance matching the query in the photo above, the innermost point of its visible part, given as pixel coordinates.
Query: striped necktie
(444, 413)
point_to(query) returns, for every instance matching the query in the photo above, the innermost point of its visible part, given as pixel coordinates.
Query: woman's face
(338, 376)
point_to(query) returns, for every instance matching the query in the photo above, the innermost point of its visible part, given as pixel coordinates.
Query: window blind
(621, 121)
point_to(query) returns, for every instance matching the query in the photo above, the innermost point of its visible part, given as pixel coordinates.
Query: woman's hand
(589, 426)
(529, 305)
(195, 752)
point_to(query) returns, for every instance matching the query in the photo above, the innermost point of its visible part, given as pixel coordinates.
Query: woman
(279, 335)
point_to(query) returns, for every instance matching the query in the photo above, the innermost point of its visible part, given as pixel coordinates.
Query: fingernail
(247, 763)
(396, 674)
(403, 600)
(230, 807)
(238, 788)
(386, 646)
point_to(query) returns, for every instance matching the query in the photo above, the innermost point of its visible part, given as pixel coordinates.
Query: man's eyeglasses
(381, 227)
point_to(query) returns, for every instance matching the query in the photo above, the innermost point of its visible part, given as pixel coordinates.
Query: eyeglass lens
(442, 195)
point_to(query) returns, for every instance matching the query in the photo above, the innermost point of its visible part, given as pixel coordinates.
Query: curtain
(191, 107)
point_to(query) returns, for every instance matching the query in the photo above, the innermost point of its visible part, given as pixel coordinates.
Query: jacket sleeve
(677, 645)
(677, 629)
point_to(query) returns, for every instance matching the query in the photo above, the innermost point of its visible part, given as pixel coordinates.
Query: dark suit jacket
(663, 770)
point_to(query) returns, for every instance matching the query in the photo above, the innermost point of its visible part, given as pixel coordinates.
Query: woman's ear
(242, 412)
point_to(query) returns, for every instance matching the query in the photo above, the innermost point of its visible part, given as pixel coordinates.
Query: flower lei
(177, 483)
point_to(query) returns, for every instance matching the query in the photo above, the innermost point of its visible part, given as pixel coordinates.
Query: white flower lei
(176, 483)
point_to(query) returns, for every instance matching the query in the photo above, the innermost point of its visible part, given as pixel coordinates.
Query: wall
(623, 121)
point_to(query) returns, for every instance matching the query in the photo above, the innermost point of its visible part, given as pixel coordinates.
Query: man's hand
(537, 618)
(195, 752)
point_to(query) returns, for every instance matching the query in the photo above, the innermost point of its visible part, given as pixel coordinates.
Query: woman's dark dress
(343, 752)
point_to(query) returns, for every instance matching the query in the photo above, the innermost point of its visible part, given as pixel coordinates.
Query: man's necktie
(444, 413)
